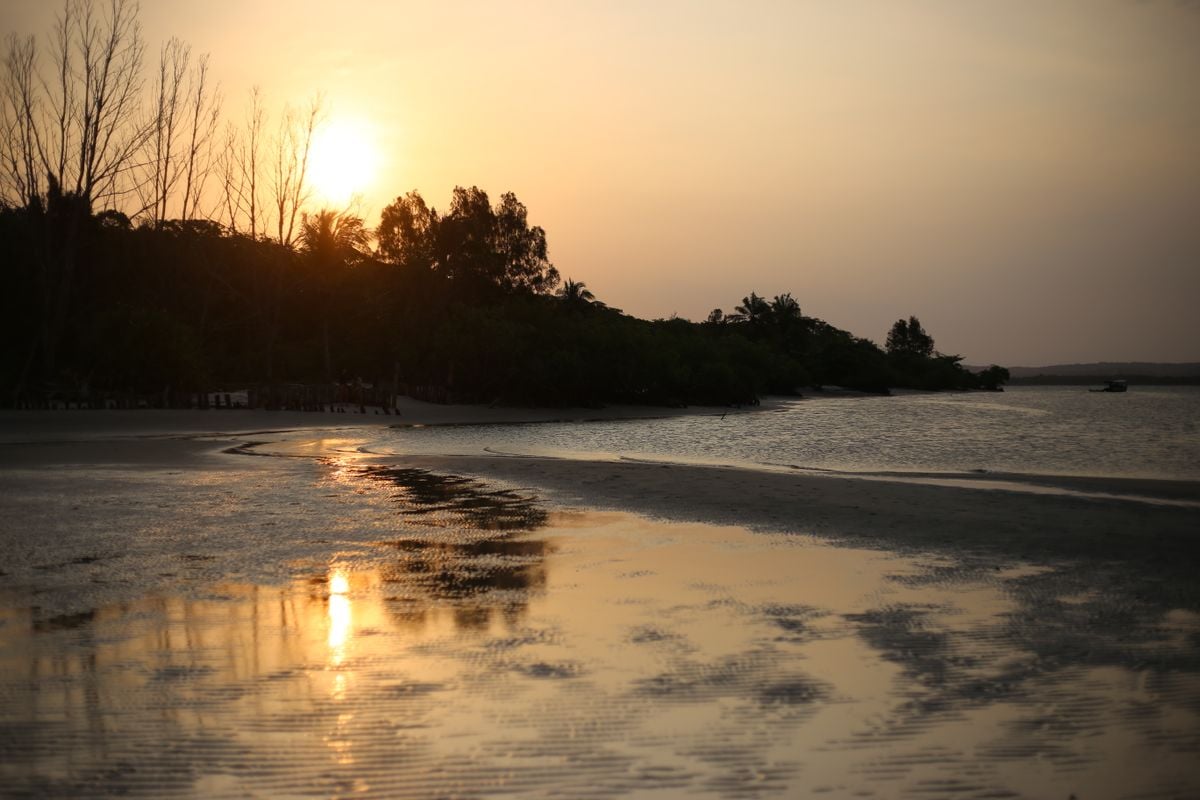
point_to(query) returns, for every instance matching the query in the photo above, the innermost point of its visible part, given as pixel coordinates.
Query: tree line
(205, 269)
(458, 305)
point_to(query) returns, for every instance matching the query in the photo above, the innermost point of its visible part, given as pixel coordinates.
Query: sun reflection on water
(465, 658)
(340, 622)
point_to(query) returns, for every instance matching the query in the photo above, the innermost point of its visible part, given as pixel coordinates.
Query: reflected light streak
(340, 617)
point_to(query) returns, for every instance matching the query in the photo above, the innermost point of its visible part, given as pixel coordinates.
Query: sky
(1023, 176)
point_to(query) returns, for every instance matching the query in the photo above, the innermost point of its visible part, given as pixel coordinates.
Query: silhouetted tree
(464, 249)
(407, 232)
(240, 170)
(785, 310)
(289, 167)
(753, 310)
(526, 265)
(575, 294)
(332, 241)
(916, 364)
(334, 238)
(992, 378)
(264, 175)
(204, 108)
(176, 159)
(79, 125)
(480, 247)
(908, 339)
(69, 136)
(60, 221)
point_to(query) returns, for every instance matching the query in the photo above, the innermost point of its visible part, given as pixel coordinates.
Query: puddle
(452, 638)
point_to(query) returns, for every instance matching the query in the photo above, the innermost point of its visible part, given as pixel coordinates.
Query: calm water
(1149, 432)
(223, 624)
(333, 627)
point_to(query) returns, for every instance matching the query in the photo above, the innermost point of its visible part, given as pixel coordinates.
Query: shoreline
(920, 507)
(1151, 523)
(449, 608)
(40, 426)
(129, 436)
(1143, 530)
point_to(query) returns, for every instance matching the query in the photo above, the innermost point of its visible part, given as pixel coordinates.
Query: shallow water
(335, 626)
(1148, 432)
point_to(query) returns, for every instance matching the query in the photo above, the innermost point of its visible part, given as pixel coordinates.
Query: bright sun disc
(342, 161)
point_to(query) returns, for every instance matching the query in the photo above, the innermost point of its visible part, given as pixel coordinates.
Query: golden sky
(1022, 175)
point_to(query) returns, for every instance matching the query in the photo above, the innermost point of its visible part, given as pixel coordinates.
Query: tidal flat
(182, 616)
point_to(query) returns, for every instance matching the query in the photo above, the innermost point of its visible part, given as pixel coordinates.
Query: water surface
(340, 627)
(1148, 432)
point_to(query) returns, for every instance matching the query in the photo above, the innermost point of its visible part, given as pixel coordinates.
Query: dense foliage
(463, 305)
(245, 290)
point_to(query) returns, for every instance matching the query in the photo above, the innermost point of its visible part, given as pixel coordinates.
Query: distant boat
(1113, 386)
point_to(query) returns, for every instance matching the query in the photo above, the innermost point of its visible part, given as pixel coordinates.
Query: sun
(342, 162)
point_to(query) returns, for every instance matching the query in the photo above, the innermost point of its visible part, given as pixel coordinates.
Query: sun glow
(343, 161)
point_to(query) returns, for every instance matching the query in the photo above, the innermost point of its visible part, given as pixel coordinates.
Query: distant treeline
(1111, 369)
(456, 306)
(1099, 380)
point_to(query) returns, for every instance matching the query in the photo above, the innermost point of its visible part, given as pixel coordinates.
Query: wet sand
(181, 618)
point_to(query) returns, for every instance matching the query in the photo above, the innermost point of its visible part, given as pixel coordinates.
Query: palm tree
(784, 308)
(575, 294)
(333, 241)
(754, 309)
(333, 238)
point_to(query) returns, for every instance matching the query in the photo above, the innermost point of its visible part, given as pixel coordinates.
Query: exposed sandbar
(1013, 524)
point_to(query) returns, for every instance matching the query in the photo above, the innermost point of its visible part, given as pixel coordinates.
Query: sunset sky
(1023, 176)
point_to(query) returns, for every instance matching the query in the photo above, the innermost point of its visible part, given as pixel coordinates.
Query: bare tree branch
(290, 177)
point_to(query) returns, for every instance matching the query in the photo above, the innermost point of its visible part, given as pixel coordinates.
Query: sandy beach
(181, 615)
